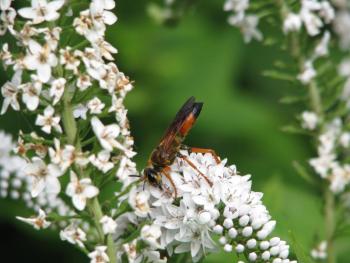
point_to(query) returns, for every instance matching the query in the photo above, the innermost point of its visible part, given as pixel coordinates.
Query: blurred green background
(202, 56)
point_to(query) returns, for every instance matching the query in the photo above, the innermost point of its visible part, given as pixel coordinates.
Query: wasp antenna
(135, 175)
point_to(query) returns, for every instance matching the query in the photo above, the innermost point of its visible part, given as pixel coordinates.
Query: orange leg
(203, 150)
(196, 169)
(165, 172)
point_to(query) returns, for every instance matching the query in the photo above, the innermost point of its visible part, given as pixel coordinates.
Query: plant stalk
(329, 224)
(94, 207)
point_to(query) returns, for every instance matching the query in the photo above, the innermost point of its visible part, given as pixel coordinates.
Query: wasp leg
(204, 150)
(165, 172)
(195, 168)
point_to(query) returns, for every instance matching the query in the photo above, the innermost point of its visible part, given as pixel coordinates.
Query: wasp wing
(187, 108)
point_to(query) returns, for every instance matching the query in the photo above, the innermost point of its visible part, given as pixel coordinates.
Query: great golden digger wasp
(163, 156)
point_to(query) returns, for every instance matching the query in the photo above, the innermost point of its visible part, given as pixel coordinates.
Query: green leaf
(294, 129)
(279, 75)
(291, 99)
(302, 172)
(298, 250)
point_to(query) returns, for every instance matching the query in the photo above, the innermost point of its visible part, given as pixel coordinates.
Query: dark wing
(177, 123)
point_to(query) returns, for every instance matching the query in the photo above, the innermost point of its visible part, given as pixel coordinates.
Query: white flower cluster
(320, 251)
(313, 15)
(341, 23)
(333, 140)
(247, 23)
(16, 185)
(63, 74)
(222, 206)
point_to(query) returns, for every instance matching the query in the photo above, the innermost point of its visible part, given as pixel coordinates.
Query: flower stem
(316, 105)
(329, 224)
(71, 130)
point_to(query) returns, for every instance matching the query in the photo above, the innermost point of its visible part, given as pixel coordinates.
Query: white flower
(5, 4)
(341, 26)
(236, 5)
(312, 22)
(84, 81)
(101, 161)
(48, 120)
(99, 13)
(321, 49)
(41, 11)
(248, 26)
(105, 49)
(151, 234)
(57, 89)
(187, 224)
(99, 255)
(69, 59)
(308, 73)
(339, 178)
(73, 235)
(41, 59)
(80, 191)
(80, 111)
(344, 139)
(327, 12)
(52, 36)
(320, 251)
(95, 106)
(292, 23)
(139, 202)
(31, 93)
(344, 67)
(322, 164)
(62, 157)
(107, 134)
(109, 226)
(310, 120)
(38, 222)
(44, 177)
(7, 20)
(10, 92)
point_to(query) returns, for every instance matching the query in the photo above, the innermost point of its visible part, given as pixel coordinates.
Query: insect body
(170, 145)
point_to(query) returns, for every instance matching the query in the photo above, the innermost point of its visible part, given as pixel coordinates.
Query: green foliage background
(242, 119)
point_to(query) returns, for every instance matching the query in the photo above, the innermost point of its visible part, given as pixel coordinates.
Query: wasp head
(153, 177)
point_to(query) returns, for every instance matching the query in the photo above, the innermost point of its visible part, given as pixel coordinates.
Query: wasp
(168, 149)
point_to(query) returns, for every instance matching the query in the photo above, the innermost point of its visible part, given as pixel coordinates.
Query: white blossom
(38, 222)
(49, 120)
(139, 202)
(107, 134)
(80, 191)
(31, 92)
(57, 89)
(99, 255)
(62, 157)
(309, 120)
(73, 235)
(308, 73)
(95, 106)
(41, 11)
(321, 49)
(44, 177)
(10, 92)
(320, 252)
(80, 111)
(5, 4)
(101, 161)
(109, 225)
(292, 23)
(41, 59)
